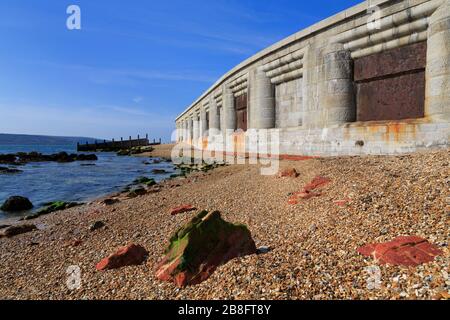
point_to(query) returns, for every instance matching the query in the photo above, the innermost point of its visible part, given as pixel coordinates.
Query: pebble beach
(312, 245)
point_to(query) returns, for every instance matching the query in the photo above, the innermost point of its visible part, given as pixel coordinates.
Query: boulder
(198, 248)
(125, 256)
(288, 173)
(136, 192)
(110, 201)
(408, 251)
(307, 192)
(96, 225)
(86, 157)
(8, 158)
(57, 206)
(182, 209)
(16, 230)
(16, 204)
(143, 180)
(159, 171)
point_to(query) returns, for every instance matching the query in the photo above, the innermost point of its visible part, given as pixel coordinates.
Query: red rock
(198, 248)
(316, 183)
(182, 209)
(307, 193)
(342, 203)
(288, 173)
(402, 251)
(125, 256)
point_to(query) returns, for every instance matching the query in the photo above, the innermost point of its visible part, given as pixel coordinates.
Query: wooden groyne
(114, 146)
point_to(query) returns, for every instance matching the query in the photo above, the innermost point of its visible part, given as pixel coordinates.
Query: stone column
(214, 120)
(336, 94)
(437, 91)
(184, 132)
(195, 129)
(190, 128)
(262, 101)
(203, 123)
(229, 109)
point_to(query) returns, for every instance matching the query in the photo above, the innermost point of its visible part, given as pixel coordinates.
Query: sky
(134, 65)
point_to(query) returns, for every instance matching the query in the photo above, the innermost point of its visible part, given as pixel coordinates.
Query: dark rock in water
(86, 157)
(88, 165)
(142, 180)
(159, 171)
(16, 204)
(123, 153)
(126, 256)
(97, 225)
(8, 158)
(4, 170)
(3, 226)
(198, 248)
(16, 230)
(62, 157)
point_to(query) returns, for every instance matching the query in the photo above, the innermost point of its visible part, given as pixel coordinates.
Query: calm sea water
(50, 181)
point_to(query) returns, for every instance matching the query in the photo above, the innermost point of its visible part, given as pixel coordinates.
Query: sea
(45, 182)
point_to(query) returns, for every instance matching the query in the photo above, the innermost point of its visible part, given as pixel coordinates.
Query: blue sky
(134, 65)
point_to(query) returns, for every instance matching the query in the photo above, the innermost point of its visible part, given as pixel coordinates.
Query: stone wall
(288, 104)
(320, 89)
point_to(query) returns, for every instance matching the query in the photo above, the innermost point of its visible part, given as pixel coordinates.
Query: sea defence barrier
(373, 79)
(114, 146)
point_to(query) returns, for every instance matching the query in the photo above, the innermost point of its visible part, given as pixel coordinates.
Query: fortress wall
(360, 82)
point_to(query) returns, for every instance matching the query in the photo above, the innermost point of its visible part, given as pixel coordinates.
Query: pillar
(214, 121)
(336, 93)
(203, 123)
(262, 101)
(229, 109)
(196, 127)
(189, 129)
(437, 88)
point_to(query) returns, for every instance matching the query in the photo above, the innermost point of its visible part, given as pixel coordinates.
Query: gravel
(312, 245)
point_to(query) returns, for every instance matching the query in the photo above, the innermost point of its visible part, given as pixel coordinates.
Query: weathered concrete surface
(336, 88)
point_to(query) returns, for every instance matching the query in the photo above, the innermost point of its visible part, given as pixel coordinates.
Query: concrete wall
(289, 104)
(304, 85)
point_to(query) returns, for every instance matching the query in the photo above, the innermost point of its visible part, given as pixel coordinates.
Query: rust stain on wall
(391, 85)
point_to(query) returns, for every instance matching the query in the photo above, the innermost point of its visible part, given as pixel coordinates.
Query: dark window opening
(241, 105)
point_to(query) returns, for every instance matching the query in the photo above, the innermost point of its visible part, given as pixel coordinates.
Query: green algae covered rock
(199, 247)
(52, 207)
